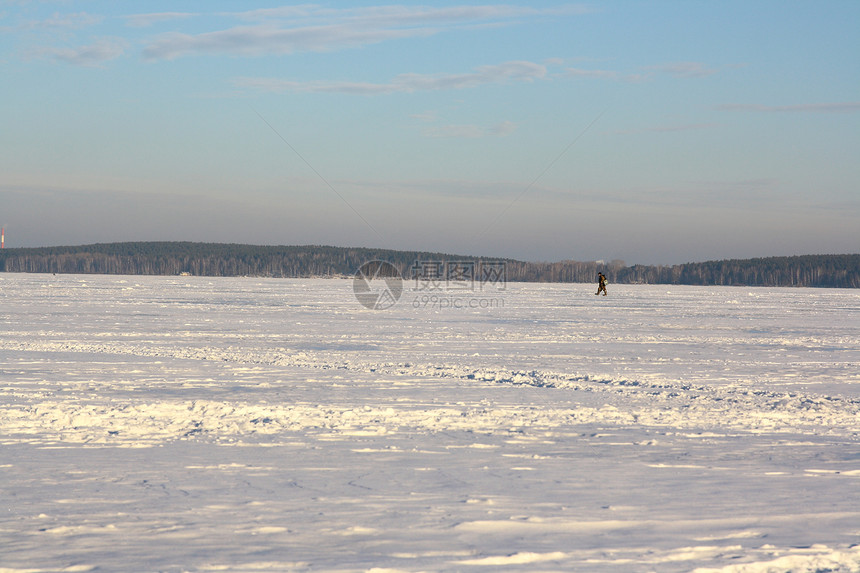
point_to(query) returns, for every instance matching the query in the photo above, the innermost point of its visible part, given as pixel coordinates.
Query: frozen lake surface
(241, 424)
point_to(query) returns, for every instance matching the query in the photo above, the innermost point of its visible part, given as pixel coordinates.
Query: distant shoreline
(220, 259)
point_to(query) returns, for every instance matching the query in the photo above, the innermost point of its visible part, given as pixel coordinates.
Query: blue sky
(652, 132)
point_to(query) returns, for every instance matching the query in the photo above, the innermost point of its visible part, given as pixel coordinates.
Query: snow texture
(196, 424)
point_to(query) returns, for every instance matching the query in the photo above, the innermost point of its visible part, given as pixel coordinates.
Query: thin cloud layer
(91, 55)
(469, 131)
(292, 29)
(146, 20)
(599, 74)
(840, 107)
(398, 15)
(508, 72)
(270, 40)
(75, 21)
(675, 69)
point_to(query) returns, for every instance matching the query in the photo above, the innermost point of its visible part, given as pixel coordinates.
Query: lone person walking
(601, 283)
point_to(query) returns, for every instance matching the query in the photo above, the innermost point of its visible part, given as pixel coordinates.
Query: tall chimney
(3, 238)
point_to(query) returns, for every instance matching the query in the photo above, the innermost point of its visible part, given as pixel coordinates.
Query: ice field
(245, 424)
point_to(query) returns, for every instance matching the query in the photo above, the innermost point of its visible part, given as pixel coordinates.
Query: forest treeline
(216, 259)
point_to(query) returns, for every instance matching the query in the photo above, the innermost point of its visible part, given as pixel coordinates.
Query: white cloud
(146, 20)
(426, 117)
(517, 71)
(270, 40)
(398, 15)
(503, 129)
(276, 85)
(308, 28)
(88, 56)
(75, 21)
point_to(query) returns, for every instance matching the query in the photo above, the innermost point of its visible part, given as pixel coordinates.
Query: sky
(653, 132)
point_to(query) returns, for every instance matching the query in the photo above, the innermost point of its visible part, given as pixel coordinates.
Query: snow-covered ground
(243, 424)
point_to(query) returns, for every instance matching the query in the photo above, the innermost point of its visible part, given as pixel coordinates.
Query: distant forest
(215, 259)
